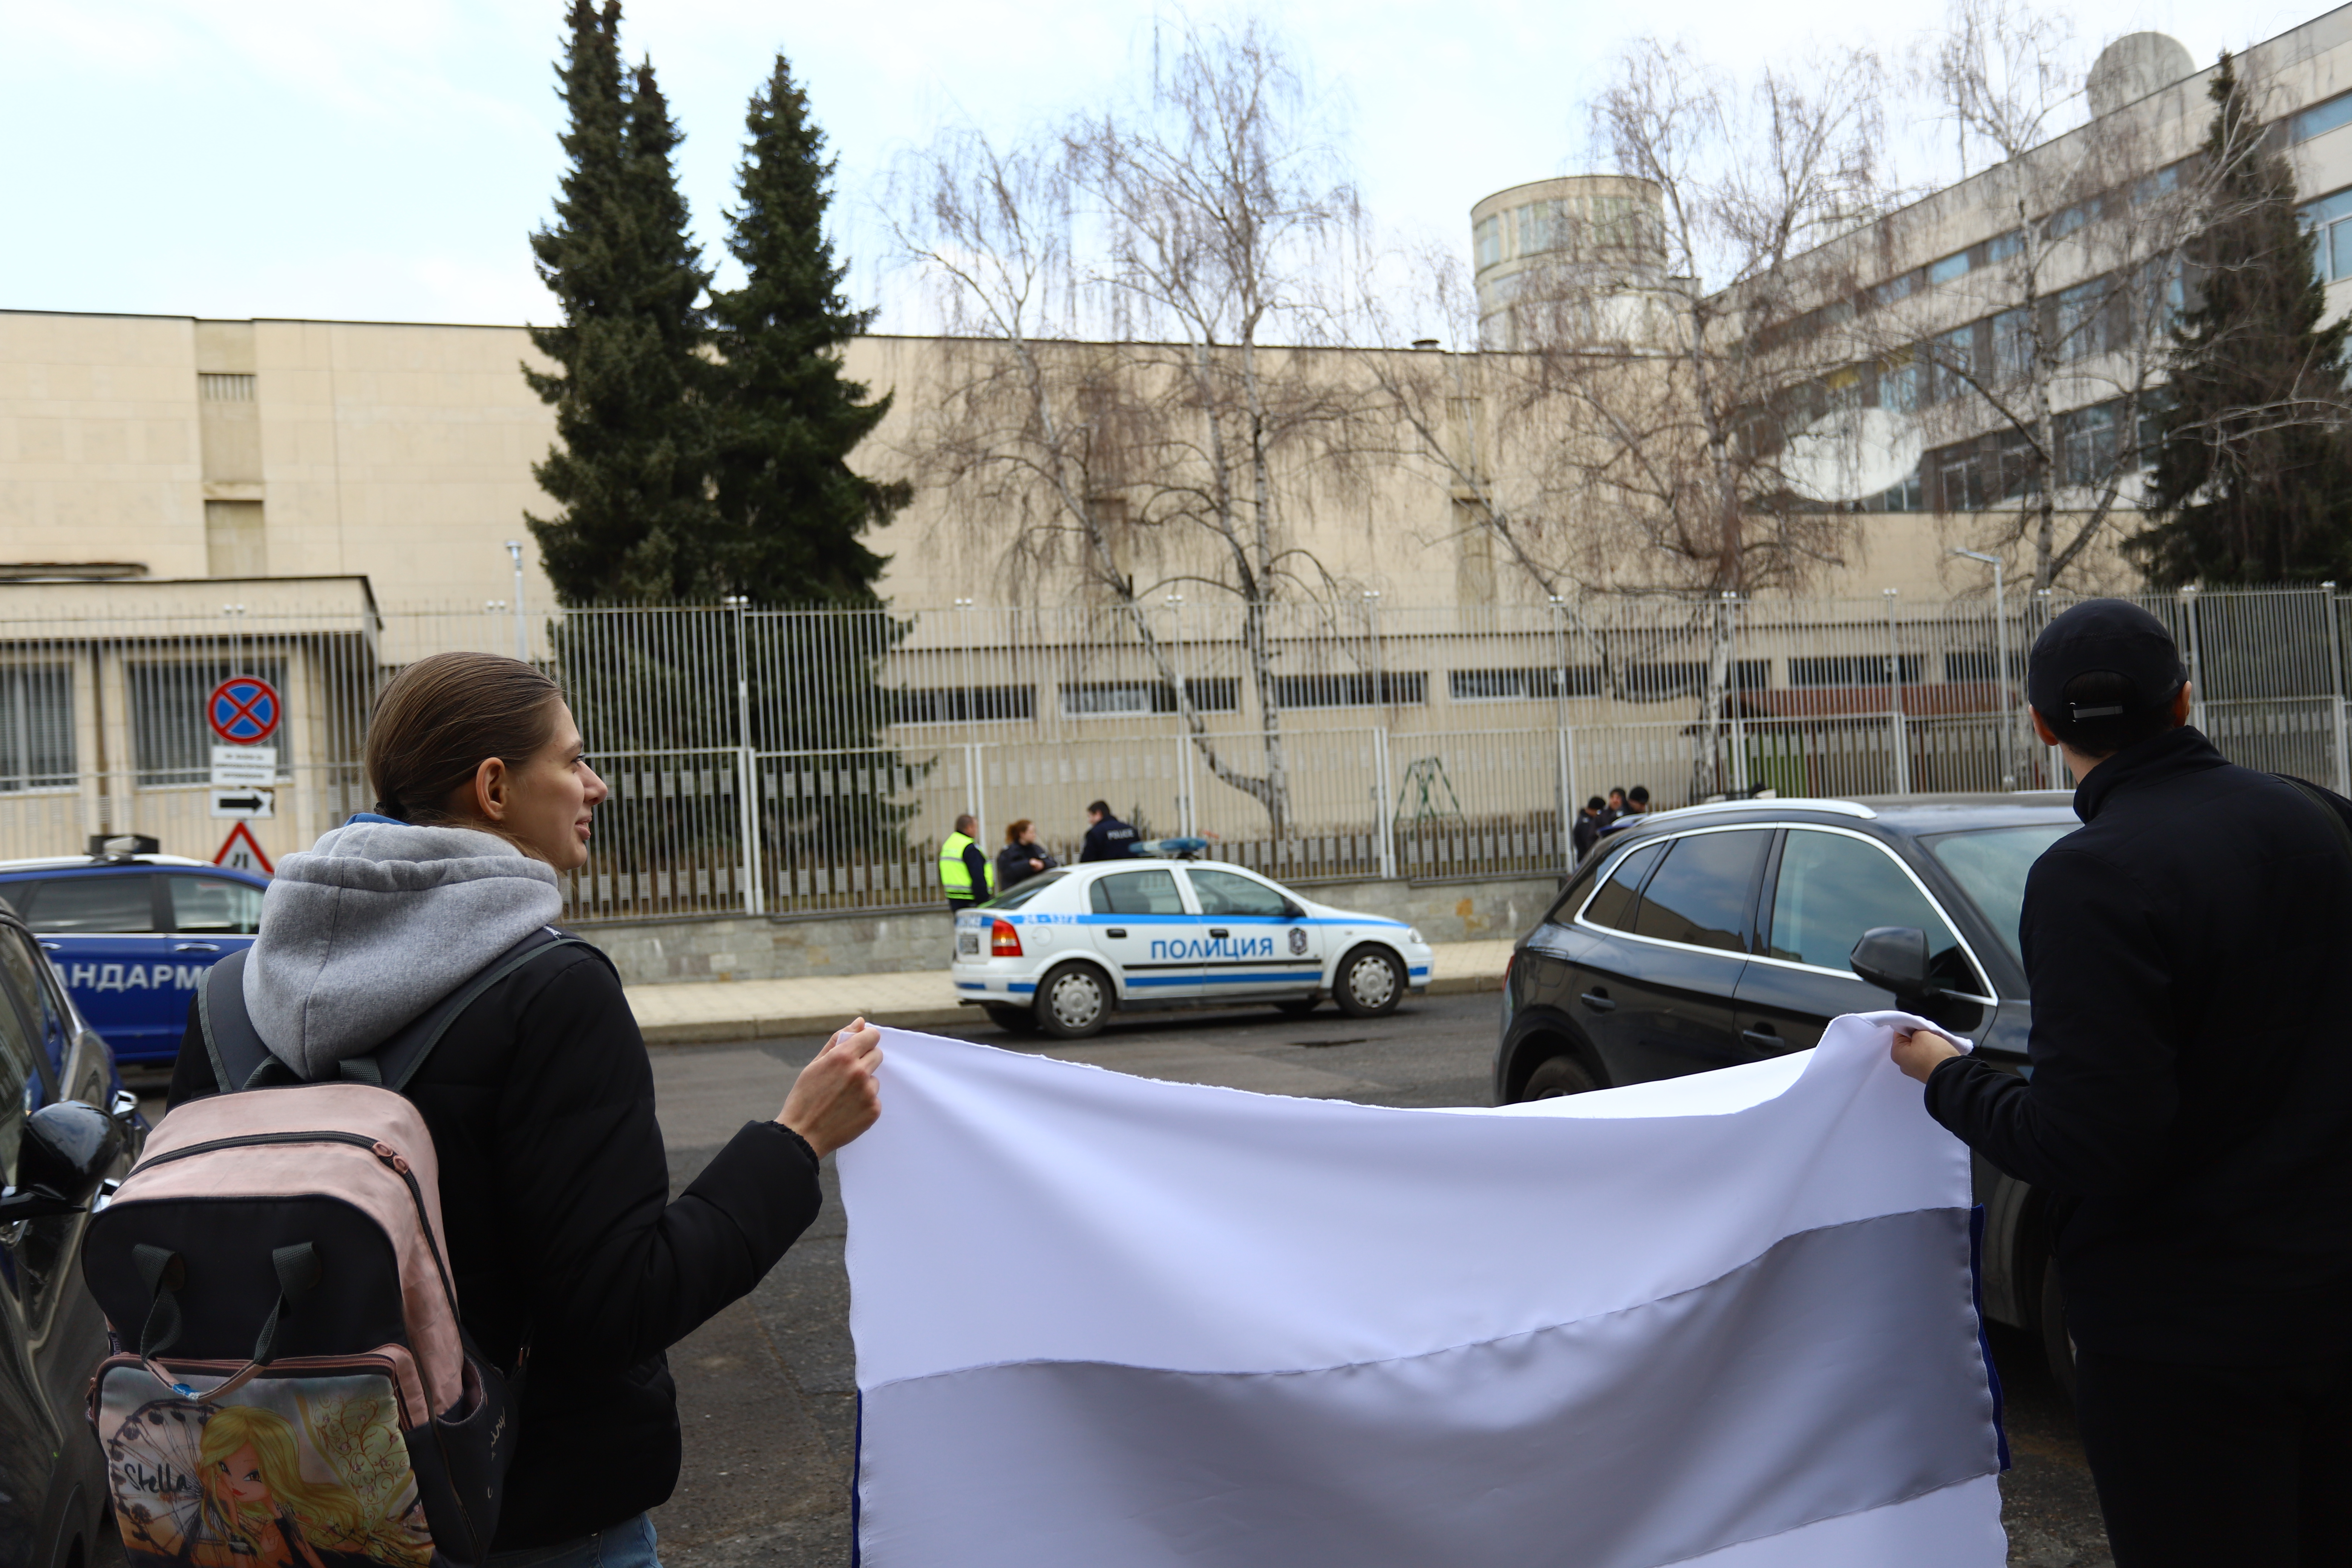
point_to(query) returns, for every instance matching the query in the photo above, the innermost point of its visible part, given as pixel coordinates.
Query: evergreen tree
(792, 510)
(2253, 473)
(631, 469)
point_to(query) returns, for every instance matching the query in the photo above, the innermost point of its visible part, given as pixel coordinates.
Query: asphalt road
(766, 1390)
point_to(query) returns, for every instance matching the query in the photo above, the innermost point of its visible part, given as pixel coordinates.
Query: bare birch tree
(1194, 236)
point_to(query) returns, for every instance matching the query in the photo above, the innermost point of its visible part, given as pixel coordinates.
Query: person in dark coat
(1589, 824)
(1022, 856)
(554, 1180)
(2188, 1111)
(1108, 838)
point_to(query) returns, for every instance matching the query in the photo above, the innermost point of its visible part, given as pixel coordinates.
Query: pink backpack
(293, 1384)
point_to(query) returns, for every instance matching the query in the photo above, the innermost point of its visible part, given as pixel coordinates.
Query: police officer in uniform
(964, 871)
(1108, 838)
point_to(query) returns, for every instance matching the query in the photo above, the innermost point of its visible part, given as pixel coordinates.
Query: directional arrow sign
(244, 803)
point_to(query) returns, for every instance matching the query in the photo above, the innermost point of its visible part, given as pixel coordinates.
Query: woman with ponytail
(554, 1180)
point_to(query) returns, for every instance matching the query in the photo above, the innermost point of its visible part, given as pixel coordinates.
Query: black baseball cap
(2111, 636)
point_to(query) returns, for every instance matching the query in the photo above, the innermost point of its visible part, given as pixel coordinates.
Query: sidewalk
(708, 1012)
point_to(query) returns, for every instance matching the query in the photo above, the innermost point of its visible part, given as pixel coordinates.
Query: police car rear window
(71, 906)
(1026, 892)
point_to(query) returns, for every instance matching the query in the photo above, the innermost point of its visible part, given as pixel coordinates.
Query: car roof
(1907, 815)
(104, 863)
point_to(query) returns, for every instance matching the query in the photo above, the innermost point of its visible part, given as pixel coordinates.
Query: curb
(776, 1026)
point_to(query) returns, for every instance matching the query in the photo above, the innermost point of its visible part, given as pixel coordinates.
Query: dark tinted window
(1137, 893)
(1223, 893)
(1700, 895)
(215, 904)
(1832, 888)
(1613, 904)
(73, 906)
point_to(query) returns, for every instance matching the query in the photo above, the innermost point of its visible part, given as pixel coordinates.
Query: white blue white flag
(1109, 1322)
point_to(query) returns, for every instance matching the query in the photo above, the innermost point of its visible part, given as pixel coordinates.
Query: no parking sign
(243, 709)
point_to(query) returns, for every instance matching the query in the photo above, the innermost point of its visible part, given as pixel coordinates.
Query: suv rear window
(75, 906)
(1613, 904)
(1700, 896)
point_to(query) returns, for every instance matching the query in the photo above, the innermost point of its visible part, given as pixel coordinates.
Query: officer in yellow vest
(964, 871)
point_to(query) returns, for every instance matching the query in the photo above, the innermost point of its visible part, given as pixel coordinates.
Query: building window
(171, 742)
(1953, 358)
(2321, 118)
(1687, 678)
(37, 729)
(2086, 440)
(2012, 345)
(2330, 218)
(1506, 685)
(1854, 670)
(1953, 266)
(1409, 689)
(1489, 240)
(1088, 699)
(217, 388)
(965, 704)
(1981, 664)
(234, 542)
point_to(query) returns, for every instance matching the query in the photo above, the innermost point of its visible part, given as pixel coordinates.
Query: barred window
(1541, 681)
(1853, 669)
(964, 704)
(37, 728)
(1353, 691)
(1082, 698)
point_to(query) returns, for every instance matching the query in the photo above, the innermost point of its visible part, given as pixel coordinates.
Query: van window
(78, 906)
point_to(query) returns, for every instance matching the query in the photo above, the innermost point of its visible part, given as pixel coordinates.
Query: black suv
(1725, 933)
(66, 1127)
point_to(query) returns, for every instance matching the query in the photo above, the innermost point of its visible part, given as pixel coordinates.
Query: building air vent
(213, 387)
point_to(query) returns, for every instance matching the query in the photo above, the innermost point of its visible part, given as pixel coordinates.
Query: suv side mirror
(66, 1152)
(1895, 958)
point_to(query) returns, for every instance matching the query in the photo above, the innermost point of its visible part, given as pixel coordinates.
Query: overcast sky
(321, 158)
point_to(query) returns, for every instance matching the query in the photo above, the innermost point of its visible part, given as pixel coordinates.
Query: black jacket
(1109, 839)
(555, 1199)
(2191, 1098)
(1013, 864)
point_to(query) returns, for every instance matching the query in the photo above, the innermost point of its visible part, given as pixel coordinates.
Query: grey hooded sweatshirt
(375, 923)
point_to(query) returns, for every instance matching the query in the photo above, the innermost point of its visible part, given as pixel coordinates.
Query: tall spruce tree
(2254, 472)
(792, 510)
(631, 464)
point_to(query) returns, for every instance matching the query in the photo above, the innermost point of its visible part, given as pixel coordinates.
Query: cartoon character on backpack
(237, 1486)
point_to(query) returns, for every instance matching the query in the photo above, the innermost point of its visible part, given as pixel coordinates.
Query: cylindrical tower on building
(1573, 259)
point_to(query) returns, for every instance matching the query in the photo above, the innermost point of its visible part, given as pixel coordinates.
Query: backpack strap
(240, 1060)
(2333, 807)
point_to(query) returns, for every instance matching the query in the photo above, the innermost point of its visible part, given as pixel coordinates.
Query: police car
(1065, 949)
(132, 933)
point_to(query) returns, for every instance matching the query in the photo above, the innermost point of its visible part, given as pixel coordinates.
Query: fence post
(747, 769)
(1567, 733)
(2196, 661)
(1895, 700)
(1383, 824)
(2336, 687)
(1559, 721)
(1730, 611)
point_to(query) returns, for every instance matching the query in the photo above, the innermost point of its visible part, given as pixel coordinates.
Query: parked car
(133, 935)
(1726, 933)
(67, 1127)
(1068, 947)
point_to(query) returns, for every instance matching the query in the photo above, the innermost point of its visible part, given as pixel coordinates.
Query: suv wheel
(1557, 1075)
(1011, 1020)
(1073, 1002)
(1370, 983)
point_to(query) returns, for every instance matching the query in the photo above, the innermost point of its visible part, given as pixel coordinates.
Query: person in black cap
(2188, 1111)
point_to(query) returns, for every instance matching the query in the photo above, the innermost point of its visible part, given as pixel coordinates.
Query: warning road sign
(243, 709)
(241, 852)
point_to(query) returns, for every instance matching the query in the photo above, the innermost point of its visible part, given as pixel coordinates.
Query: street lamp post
(2001, 658)
(514, 552)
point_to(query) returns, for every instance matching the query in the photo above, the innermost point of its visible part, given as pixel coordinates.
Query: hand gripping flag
(1727, 1320)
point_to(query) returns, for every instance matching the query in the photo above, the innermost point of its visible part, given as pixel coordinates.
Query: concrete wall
(658, 952)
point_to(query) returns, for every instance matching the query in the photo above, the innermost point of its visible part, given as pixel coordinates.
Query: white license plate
(967, 941)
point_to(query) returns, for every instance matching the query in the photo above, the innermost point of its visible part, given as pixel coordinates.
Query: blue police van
(132, 933)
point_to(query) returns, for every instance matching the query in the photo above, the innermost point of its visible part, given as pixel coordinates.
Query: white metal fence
(786, 762)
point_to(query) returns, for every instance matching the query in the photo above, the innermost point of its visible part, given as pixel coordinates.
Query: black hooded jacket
(555, 1199)
(2190, 1104)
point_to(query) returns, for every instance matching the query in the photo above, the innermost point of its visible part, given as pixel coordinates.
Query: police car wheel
(1073, 1002)
(1371, 982)
(1011, 1020)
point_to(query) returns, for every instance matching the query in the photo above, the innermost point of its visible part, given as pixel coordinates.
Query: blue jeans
(628, 1544)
